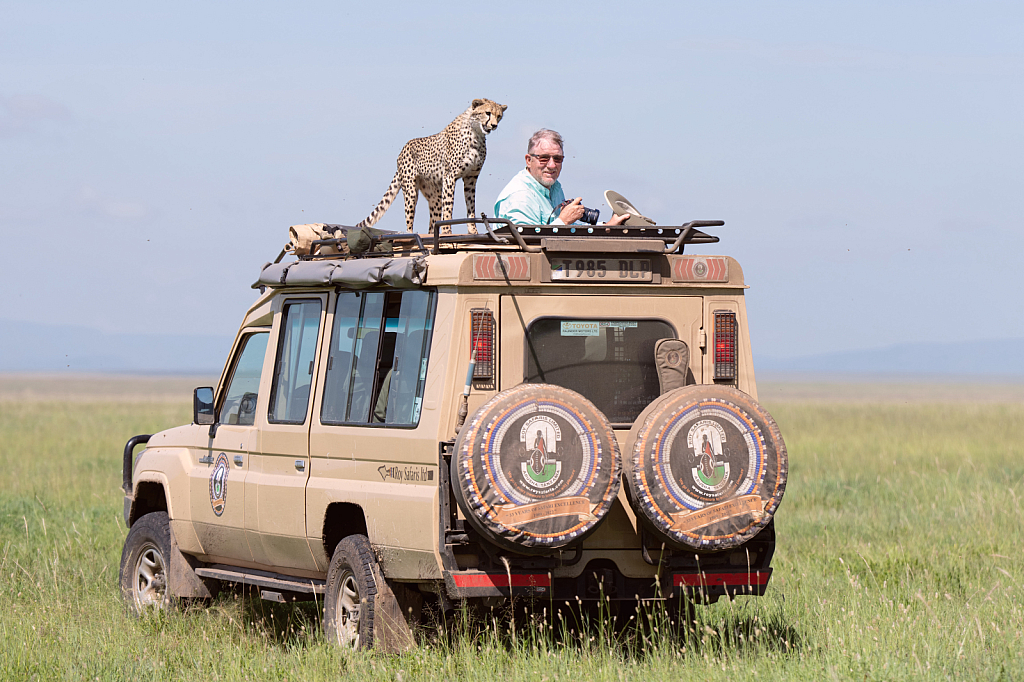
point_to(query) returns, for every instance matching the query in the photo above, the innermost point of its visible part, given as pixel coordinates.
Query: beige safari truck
(551, 413)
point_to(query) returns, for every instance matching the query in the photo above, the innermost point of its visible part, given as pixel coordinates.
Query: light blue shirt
(525, 201)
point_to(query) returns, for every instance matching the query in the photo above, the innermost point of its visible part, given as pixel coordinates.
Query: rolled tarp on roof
(401, 273)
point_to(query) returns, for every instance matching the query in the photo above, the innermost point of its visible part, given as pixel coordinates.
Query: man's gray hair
(544, 134)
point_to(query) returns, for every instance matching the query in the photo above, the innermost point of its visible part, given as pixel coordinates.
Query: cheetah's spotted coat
(431, 165)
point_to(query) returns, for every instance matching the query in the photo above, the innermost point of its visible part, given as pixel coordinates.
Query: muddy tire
(536, 468)
(349, 604)
(145, 564)
(707, 467)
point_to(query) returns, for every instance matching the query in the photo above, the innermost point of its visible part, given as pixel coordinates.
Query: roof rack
(530, 238)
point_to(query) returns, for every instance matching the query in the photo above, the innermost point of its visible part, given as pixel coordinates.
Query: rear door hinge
(703, 341)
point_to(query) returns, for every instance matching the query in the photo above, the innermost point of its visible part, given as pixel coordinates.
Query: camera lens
(590, 216)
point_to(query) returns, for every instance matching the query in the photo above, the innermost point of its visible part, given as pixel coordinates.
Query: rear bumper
(606, 584)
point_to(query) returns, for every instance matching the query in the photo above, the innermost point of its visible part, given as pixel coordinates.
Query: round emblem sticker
(536, 467)
(708, 467)
(219, 484)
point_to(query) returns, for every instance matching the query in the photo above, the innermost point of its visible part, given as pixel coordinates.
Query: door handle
(238, 460)
(206, 459)
(300, 464)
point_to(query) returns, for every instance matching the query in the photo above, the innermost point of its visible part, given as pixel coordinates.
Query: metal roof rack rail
(529, 238)
(532, 238)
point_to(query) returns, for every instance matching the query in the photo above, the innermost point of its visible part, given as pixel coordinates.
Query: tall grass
(899, 556)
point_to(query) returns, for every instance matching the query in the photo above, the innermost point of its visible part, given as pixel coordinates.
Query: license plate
(616, 270)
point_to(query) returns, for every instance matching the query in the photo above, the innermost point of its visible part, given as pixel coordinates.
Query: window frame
(237, 350)
(299, 299)
(428, 342)
(527, 354)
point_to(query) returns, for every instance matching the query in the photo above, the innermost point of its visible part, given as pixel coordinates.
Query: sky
(867, 157)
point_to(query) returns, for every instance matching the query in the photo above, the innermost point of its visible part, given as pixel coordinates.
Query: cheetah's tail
(384, 204)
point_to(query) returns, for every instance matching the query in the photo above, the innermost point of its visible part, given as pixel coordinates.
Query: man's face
(545, 173)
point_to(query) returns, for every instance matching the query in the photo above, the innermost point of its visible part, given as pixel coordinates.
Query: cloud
(22, 114)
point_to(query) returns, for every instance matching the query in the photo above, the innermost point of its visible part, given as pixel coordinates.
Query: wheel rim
(348, 611)
(149, 584)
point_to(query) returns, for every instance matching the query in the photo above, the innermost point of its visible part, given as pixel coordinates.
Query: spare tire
(707, 467)
(536, 468)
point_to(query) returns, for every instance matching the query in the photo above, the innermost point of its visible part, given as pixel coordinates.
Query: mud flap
(182, 581)
(391, 631)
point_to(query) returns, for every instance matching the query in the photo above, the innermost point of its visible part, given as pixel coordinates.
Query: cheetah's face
(487, 113)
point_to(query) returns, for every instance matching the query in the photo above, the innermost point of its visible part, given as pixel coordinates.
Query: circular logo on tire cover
(540, 470)
(219, 484)
(537, 466)
(703, 472)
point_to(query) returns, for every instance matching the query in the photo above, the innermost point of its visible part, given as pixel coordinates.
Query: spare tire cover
(708, 467)
(536, 468)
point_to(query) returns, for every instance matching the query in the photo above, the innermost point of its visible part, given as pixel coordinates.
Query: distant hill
(28, 347)
(990, 358)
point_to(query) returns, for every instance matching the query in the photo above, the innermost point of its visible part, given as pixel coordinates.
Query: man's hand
(572, 212)
(618, 219)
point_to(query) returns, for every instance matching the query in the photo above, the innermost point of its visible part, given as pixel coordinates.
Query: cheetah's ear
(503, 106)
(477, 103)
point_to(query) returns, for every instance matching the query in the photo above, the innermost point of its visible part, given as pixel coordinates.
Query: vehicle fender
(169, 468)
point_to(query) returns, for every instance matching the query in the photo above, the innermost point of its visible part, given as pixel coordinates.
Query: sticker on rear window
(575, 328)
(579, 328)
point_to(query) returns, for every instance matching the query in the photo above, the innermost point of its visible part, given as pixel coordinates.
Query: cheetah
(432, 165)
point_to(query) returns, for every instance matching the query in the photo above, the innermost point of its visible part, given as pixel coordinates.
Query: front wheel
(351, 597)
(145, 564)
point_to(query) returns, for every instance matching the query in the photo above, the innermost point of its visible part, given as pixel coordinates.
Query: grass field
(899, 556)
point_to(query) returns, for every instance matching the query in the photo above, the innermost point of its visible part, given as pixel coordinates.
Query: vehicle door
(218, 476)
(368, 446)
(278, 473)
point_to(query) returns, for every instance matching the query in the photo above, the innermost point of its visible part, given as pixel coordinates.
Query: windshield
(611, 362)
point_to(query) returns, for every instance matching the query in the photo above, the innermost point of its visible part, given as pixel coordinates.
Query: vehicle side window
(339, 360)
(377, 364)
(404, 393)
(239, 404)
(365, 357)
(293, 369)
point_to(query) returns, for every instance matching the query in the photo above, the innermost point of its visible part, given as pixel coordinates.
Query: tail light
(725, 346)
(483, 342)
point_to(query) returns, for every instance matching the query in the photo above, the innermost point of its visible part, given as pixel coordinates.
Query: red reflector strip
(486, 267)
(501, 580)
(711, 579)
(700, 269)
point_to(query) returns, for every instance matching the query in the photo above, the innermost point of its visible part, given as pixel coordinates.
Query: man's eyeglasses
(544, 158)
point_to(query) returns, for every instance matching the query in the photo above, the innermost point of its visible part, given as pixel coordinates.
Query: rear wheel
(351, 594)
(145, 564)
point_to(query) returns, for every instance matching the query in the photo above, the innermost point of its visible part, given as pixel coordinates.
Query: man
(531, 196)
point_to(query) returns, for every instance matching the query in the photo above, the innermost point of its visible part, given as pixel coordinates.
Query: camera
(590, 215)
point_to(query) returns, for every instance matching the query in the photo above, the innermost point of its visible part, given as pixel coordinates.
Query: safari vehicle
(550, 413)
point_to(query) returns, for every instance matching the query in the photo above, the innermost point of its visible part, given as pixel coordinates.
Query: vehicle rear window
(611, 362)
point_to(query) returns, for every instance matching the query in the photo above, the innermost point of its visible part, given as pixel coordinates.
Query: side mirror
(202, 406)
